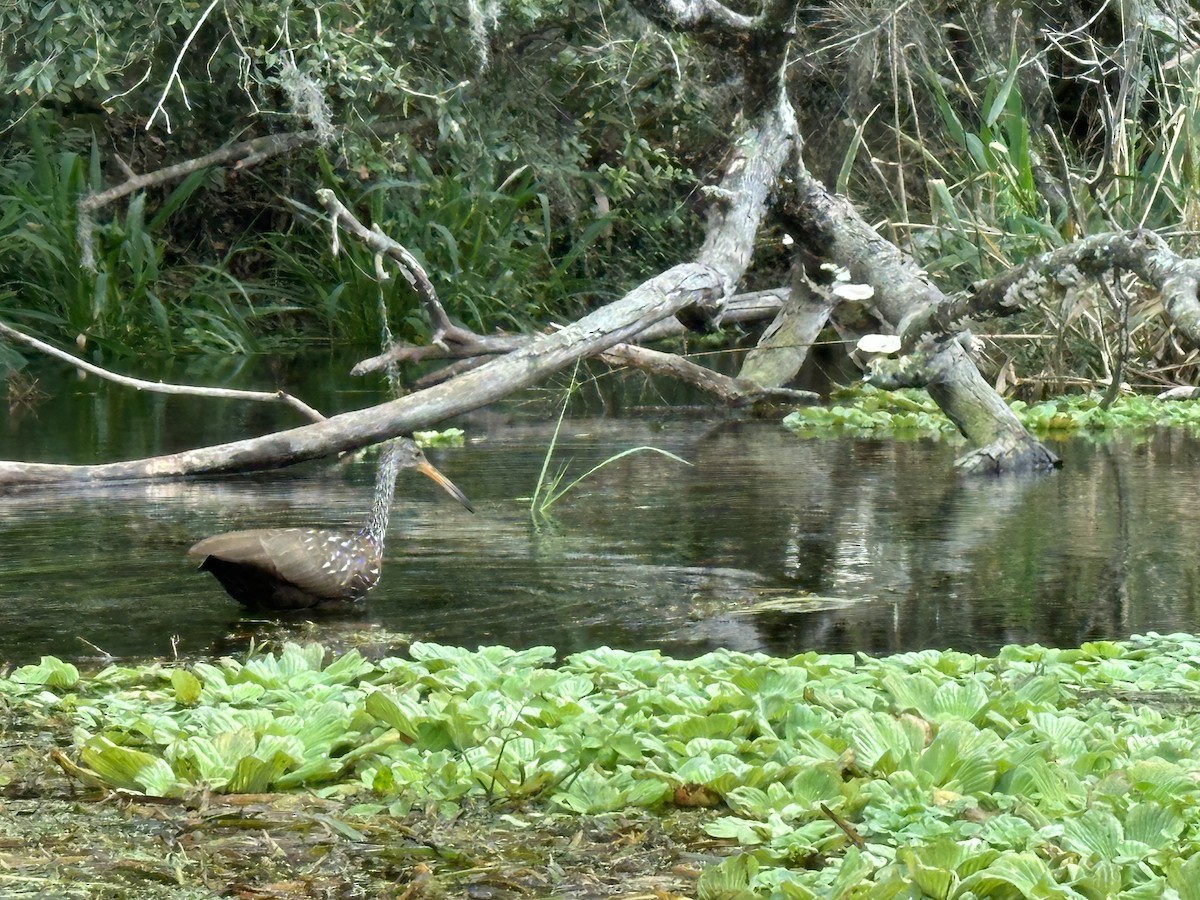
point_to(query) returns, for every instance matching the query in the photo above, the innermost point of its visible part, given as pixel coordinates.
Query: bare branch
(456, 343)
(828, 227)
(1143, 253)
(412, 271)
(158, 107)
(159, 387)
(246, 153)
(731, 391)
(253, 150)
(655, 299)
(462, 343)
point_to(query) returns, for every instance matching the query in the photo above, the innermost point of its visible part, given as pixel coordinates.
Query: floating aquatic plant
(868, 410)
(1034, 773)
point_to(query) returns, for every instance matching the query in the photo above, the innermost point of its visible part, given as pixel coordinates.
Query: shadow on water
(767, 543)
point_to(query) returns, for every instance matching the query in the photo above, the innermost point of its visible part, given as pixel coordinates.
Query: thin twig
(158, 107)
(376, 240)
(159, 387)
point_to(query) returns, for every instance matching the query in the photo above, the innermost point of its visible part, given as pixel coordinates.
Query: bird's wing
(297, 556)
(242, 547)
(307, 562)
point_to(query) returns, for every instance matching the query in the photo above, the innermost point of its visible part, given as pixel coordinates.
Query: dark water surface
(648, 553)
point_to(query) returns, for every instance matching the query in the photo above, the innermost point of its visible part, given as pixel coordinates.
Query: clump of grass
(550, 487)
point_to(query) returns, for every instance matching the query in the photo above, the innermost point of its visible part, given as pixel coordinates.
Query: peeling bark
(784, 344)
(830, 228)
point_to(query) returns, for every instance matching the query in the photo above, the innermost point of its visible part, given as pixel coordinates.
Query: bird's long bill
(426, 468)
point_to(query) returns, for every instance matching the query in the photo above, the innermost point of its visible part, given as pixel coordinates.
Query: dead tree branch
(829, 228)
(1144, 253)
(750, 307)
(413, 272)
(731, 391)
(255, 150)
(764, 148)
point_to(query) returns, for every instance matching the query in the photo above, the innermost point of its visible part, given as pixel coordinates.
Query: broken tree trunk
(945, 370)
(829, 228)
(784, 344)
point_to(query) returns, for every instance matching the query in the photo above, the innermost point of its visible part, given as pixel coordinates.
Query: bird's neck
(375, 527)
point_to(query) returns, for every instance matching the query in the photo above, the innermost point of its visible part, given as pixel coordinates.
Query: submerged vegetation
(1037, 773)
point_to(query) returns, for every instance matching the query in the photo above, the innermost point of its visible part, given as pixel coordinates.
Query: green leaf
(51, 672)
(856, 142)
(1184, 876)
(1001, 98)
(1153, 825)
(1024, 873)
(728, 880)
(187, 687)
(253, 775)
(1095, 833)
(128, 768)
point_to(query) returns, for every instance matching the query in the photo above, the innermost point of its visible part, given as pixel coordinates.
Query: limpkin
(303, 568)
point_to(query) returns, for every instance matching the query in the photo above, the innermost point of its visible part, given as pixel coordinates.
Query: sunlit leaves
(124, 767)
(51, 672)
(187, 686)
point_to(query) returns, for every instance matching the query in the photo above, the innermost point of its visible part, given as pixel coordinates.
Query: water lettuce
(1034, 773)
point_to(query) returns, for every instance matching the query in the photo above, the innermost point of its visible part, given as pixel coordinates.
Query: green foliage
(866, 409)
(912, 413)
(994, 216)
(447, 437)
(1036, 773)
(513, 168)
(122, 299)
(479, 244)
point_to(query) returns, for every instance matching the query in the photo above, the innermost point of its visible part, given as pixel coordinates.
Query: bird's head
(407, 455)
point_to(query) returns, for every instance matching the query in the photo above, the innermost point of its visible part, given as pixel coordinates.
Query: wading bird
(304, 568)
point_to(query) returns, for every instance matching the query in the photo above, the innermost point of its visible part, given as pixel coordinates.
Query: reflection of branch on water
(157, 387)
(1110, 610)
(24, 395)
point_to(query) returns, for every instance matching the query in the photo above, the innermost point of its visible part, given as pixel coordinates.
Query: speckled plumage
(303, 568)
